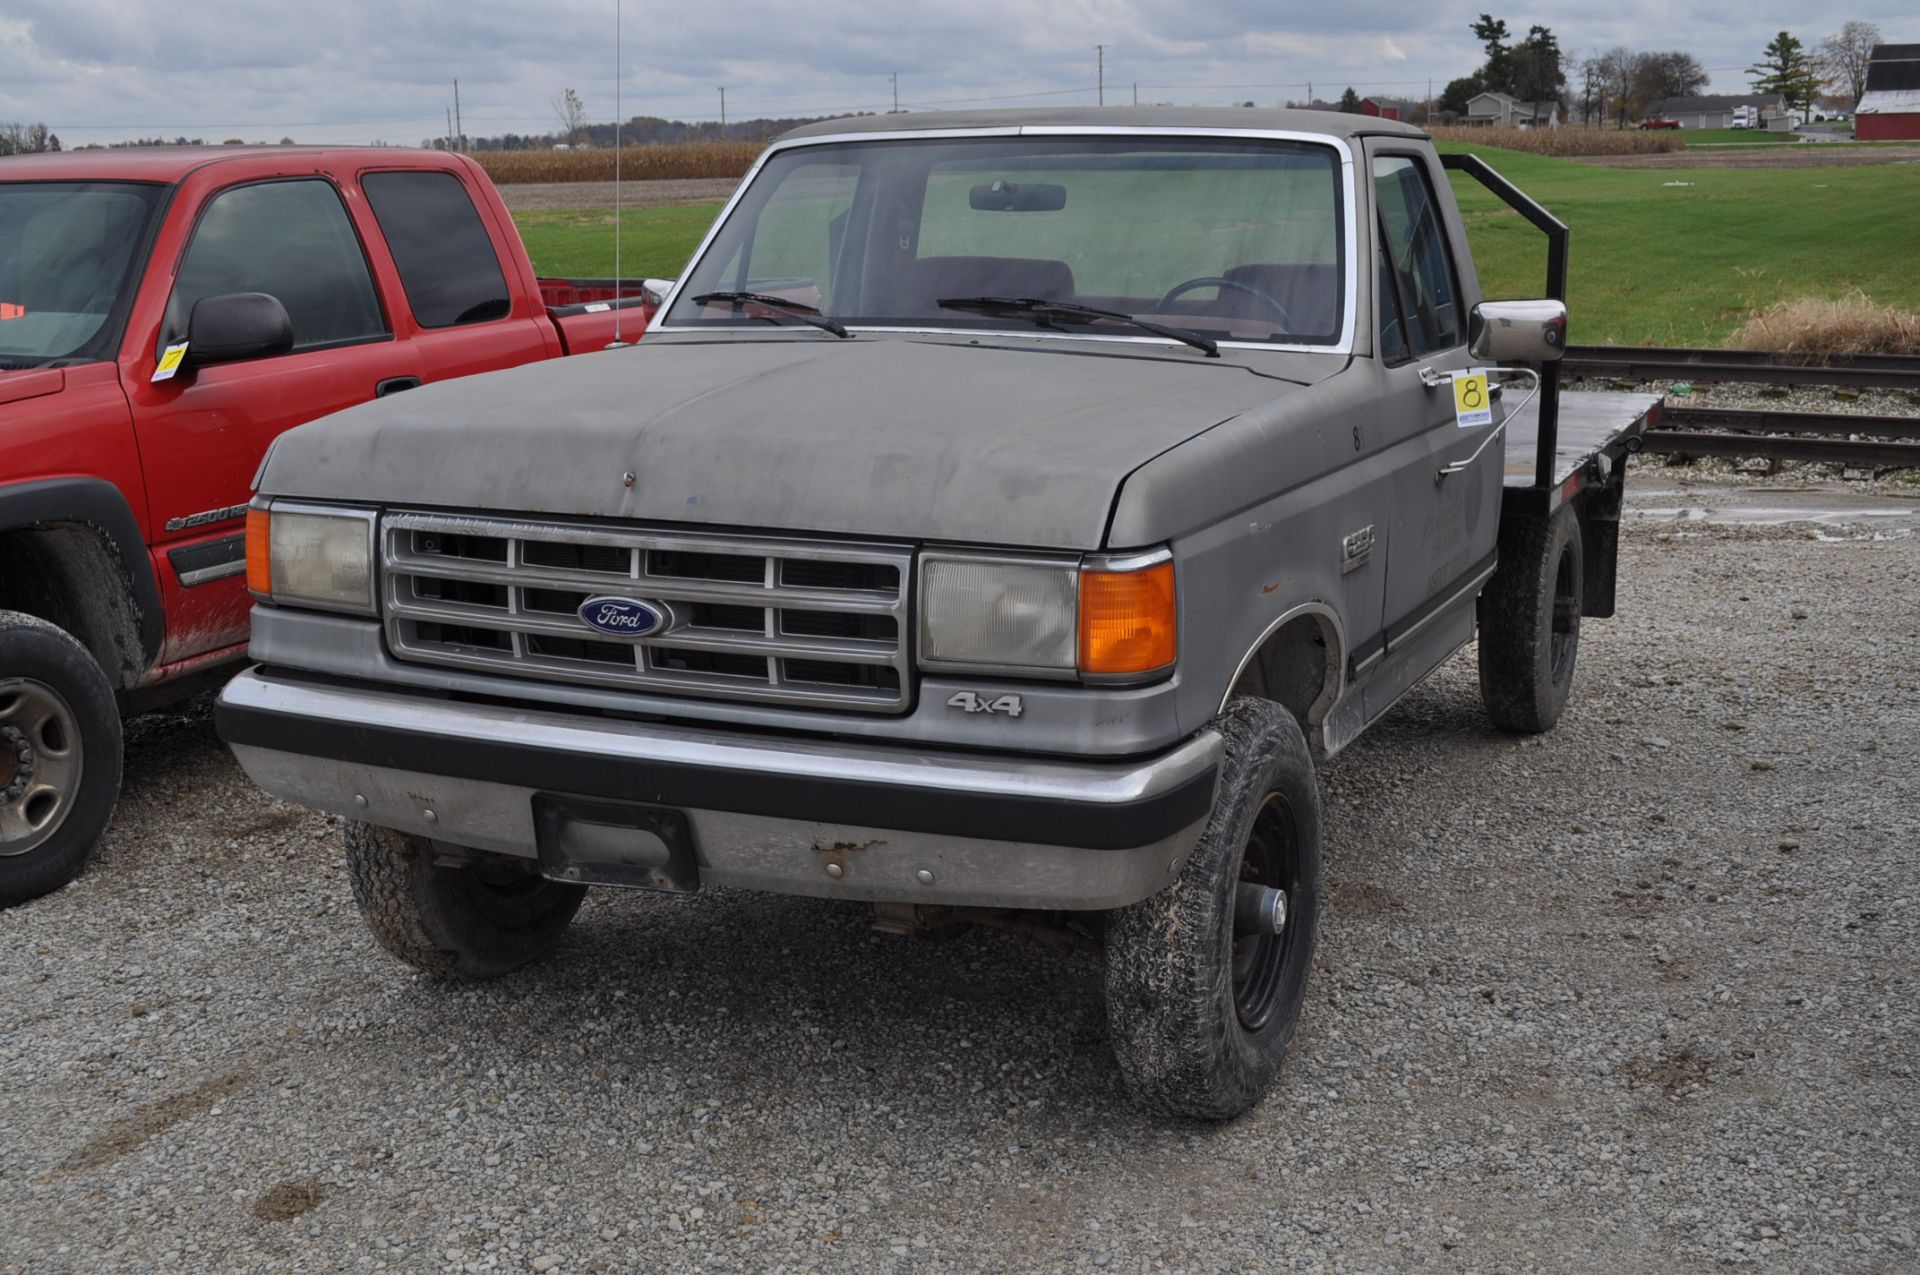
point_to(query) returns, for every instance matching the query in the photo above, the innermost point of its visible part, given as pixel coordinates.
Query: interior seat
(930, 278)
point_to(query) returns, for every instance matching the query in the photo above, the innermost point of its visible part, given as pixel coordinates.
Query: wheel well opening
(67, 574)
(1297, 667)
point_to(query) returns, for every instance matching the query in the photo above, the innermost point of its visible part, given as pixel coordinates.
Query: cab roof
(1197, 118)
(171, 163)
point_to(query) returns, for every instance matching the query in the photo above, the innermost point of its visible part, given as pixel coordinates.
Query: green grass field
(578, 243)
(1660, 264)
(1652, 263)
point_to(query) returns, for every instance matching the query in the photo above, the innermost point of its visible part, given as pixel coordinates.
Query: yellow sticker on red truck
(169, 362)
(1471, 404)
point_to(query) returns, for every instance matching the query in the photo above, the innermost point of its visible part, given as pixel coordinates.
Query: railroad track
(1761, 367)
(1842, 438)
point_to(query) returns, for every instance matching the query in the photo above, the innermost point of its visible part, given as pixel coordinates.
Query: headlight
(311, 555)
(1099, 619)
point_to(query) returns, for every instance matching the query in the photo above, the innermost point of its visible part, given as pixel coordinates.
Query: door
(1443, 529)
(464, 318)
(203, 432)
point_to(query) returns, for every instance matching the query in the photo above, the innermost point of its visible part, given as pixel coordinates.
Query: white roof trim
(1889, 102)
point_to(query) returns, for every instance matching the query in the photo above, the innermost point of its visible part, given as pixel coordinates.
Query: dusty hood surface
(884, 437)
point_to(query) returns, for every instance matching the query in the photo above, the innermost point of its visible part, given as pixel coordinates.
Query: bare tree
(571, 112)
(1843, 57)
(1674, 74)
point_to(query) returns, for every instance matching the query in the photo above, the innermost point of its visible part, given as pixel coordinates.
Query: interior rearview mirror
(237, 325)
(1518, 331)
(1006, 196)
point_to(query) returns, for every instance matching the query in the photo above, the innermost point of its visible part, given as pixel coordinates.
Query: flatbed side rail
(1557, 234)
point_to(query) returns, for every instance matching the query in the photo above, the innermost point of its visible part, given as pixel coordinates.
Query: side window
(1393, 329)
(1418, 256)
(440, 246)
(291, 239)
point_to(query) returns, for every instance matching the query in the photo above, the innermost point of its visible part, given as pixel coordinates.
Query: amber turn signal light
(259, 559)
(1128, 621)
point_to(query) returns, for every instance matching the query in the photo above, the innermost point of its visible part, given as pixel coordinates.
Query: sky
(361, 71)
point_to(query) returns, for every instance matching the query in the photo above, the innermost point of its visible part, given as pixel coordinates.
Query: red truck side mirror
(237, 325)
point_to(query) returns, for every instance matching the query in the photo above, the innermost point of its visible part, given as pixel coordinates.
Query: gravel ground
(544, 196)
(1634, 995)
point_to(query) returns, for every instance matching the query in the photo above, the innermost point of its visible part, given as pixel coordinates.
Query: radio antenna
(618, 297)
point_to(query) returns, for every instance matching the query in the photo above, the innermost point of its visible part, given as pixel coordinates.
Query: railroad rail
(1841, 438)
(1761, 367)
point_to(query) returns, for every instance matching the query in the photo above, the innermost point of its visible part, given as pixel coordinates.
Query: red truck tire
(59, 757)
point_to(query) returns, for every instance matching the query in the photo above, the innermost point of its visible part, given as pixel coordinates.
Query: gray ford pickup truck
(1000, 517)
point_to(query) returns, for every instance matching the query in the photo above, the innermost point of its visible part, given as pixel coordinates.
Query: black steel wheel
(1205, 979)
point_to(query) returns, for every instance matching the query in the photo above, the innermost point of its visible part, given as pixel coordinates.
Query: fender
(95, 503)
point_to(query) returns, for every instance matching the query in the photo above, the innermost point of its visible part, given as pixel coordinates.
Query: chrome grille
(809, 622)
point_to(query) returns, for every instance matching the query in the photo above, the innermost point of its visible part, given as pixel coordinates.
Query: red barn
(1890, 110)
(1387, 108)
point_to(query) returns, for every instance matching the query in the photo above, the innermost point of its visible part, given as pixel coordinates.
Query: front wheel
(479, 920)
(1205, 980)
(59, 757)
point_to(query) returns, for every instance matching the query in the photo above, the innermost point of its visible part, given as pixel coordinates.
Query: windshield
(69, 254)
(1232, 239)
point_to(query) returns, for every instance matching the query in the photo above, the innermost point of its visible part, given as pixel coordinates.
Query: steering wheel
(1220, 281)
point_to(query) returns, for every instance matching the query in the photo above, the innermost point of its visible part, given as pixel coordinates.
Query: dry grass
(665, 161)
(1565, 142)
(1853, 324)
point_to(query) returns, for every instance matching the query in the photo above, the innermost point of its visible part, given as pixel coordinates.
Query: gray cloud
(356, 71)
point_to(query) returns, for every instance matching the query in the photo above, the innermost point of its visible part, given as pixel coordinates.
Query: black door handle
(394, 384)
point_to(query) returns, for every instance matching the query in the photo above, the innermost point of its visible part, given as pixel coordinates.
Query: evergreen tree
(1787, 69)
(1350, 101)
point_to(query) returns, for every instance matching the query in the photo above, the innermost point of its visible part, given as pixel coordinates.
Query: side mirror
(235, 326)
(1518, 331)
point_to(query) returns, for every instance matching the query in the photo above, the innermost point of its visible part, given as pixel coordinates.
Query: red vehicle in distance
(164, 315)
(1659, 123)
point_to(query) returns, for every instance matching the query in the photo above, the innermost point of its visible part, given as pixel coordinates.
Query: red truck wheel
(59, 757)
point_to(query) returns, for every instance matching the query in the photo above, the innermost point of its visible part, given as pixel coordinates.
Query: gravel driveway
(1635, 995)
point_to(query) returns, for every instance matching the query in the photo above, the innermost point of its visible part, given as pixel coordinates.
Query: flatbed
(1593, 424)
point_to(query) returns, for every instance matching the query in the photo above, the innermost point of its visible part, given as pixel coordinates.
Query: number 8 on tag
(1471, 406)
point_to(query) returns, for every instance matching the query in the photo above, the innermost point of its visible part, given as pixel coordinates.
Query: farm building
(1719, 112)
(1771, 110)
(1392, 108)
(1503, 110)
(1890, 110)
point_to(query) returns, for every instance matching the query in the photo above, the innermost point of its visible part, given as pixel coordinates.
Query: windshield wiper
(1047, 314)
(798, 309)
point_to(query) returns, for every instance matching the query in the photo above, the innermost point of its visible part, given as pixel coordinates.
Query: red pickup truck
(164, 314)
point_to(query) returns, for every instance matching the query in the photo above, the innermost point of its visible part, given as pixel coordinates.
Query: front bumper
(830, 818)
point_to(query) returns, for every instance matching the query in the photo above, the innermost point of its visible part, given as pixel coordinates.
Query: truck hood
(1005, 443)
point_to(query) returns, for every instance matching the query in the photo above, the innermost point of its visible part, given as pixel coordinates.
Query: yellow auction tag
(1471, 406)
(169, 362)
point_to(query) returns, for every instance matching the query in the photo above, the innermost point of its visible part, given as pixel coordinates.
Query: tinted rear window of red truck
(446, 261)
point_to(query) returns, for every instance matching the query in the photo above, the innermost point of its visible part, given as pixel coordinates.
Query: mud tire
(1530, 623)
(37, 653)
(475, 922)
(1174, 1004)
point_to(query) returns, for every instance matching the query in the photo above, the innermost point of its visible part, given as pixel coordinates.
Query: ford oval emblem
(624, 617)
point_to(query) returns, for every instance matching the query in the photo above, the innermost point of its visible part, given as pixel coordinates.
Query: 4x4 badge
(969, 702)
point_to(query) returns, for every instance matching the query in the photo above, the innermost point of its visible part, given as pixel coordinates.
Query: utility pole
(1100, 50)
(459, 130)
(896, 92)
(449, 128)
(723, 106)
(1136, 92)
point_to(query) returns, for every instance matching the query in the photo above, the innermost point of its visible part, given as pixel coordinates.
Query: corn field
(659, 162)
(1567, 142)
